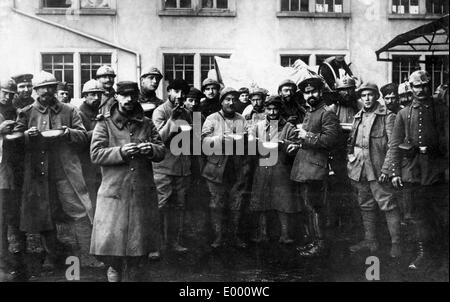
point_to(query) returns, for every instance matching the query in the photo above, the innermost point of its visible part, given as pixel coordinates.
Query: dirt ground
(275, 262)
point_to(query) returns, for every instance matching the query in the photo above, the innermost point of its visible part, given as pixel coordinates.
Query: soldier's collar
(415, 103)
(56, 107)
(121, 120)
(320, 105)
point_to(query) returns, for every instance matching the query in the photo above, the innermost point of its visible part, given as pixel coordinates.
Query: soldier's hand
(145, 148)
(397, 182)
(129, 149)
(6, 127)
(66, 131)
(383, 178)
(301, 133)
(292, 148)
(176, 112)
(33, 132)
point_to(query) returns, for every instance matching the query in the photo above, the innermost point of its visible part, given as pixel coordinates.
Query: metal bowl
(347, 126)
(52, 133)
(185, 128)
(14, 135)
(236, 136)
(148, 106)
(270, 145)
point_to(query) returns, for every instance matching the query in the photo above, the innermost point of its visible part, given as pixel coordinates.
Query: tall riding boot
(308, 225)
(422, 257)
(179, 235)
(318, 247)
(236, 218)
(370, 241)
(83, 232)
(393, 223)
(217, 221)
(284, 238)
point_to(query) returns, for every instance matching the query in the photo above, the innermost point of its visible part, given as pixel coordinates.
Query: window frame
(346, 11)
(197, 62)
(76, 9)
(197, 10)
(422, 15)
(77, 52)
(313, 53)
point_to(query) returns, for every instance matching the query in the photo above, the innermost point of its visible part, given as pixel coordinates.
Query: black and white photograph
(251, 142)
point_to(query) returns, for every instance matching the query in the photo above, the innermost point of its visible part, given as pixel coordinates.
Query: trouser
(313, 195)
(3, 225)
(171, 188)
(429, 210)
(372, 194)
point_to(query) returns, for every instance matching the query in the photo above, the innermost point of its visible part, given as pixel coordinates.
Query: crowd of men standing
(107, 167)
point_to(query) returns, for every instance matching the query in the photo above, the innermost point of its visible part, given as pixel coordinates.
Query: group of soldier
(107, 166)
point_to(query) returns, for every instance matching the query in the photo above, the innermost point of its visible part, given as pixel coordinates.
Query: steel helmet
(92, 86)
(105, 70)
(45, 79)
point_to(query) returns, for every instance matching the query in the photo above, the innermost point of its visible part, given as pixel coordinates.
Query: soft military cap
(23, 78)
(127, 88)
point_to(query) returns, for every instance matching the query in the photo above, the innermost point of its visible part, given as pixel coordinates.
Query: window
(177, 4)
(61, 66)
(207, 63)
(314, 8)
(405, 7)
(437, 67)
(87, 7)
(329, 6)
(218, 4)
(289, 60)
(179, 66)
(403, 66)
(295, 5)
(200, 8)
(90, 63)
(437, 6)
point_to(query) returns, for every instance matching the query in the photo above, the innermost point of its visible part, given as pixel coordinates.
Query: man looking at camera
(124, 144)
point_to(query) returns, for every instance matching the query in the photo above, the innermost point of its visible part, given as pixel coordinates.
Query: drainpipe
(85, 35)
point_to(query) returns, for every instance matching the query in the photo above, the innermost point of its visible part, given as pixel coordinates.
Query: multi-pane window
(177, 4)
(289, 60)
(329, 6)
(219, 4)
(61, 66)
(405, 6)
(295, 5)
(403, 66)
(179, 66)
(207, 63)
(95, 4)
(437, 6)
(57, 3)
(437, 67)
(76, 3)
(90, 63)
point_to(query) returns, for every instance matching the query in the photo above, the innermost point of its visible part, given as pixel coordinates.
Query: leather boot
(236, 241)
(284, 238)
(393, 222)
(318, 248)
(309, 240)
(261, 230)
(180, 226)
(83, 231)
(422, 258)
(49, 244)
(216, 219)
(369, 242)
(164, 229)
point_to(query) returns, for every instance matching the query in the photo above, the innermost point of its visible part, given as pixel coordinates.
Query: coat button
(42, 173)
(131, 134)
(132, 169)
(42, 163)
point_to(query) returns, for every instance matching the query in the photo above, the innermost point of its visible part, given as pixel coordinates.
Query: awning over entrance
(430, 37)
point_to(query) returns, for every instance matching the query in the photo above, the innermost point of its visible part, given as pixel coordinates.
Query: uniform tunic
(272, 188)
